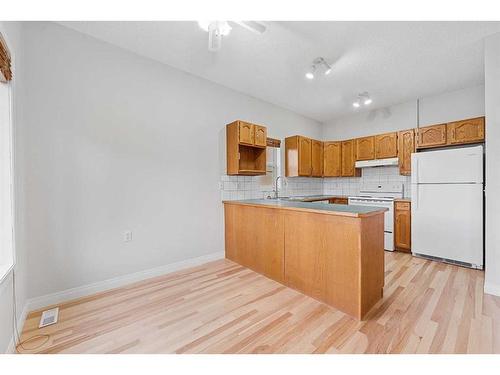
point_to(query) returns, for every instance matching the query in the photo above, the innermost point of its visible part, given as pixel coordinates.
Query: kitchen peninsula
(331, 252)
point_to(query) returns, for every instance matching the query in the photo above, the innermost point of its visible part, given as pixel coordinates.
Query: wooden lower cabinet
(338, 200)
(334, 258)
(402, 226)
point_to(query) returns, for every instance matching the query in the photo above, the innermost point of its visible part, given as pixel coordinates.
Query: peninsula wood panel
(316, 158)
(365, 148)
(322, 258)
(254, 239)
(466, 131)
(332, 161)
(331, 258)
(223, 307)
(386, 145)
(406, 141)
(348, 156)
(431, 136)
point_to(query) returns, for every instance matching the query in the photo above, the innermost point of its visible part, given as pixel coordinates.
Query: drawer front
(403, 206)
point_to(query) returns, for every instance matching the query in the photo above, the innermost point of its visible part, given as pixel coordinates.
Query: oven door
(388, 217)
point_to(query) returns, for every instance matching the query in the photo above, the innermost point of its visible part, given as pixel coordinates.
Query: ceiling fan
(217, 29)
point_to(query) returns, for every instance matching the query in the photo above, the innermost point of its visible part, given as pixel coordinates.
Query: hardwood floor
(221, 307)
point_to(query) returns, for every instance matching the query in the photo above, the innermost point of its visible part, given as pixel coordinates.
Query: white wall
(118, 142)
(13, 35)
(492, 79)
(450, 106)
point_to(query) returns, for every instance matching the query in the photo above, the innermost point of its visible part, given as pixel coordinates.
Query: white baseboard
(490, 288)
(11, 349)
(100, 286)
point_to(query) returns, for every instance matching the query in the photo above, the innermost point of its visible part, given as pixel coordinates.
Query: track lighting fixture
(363, 98)
(318, 62)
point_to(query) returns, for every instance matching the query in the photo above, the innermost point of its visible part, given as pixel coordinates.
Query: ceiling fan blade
(253, 26)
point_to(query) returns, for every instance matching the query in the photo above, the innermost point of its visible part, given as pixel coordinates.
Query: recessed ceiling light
(368, 101)
(310, 75)
(356, 104)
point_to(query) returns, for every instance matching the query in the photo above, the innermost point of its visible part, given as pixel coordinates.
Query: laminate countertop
(314, 198)
(316, 207)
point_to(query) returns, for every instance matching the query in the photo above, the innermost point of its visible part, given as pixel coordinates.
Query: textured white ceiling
(393, 61)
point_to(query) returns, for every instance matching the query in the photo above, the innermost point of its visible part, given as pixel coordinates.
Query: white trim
(5, 270)
(491, 288)
(11, 348)
(85, 290)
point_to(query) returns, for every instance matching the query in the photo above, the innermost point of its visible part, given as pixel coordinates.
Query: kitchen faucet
(276, 195)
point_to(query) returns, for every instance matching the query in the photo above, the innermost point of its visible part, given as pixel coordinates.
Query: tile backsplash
(351, 186)
(253, 187)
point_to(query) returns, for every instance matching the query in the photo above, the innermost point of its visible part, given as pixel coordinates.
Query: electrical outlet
(127, 236)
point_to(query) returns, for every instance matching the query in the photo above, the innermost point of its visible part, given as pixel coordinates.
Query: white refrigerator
(447, 205)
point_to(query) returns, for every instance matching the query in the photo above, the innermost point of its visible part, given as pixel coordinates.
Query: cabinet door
(317, 158)
(431, 136)
(332, 159)
(406, 140)
(305, 163)
(246, 133)
(386, 145)
(466, 131)
(348, 158)
(402, 227)
(260, 135)
(365, 148)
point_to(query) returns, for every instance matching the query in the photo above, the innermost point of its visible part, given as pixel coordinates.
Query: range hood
(377, 163)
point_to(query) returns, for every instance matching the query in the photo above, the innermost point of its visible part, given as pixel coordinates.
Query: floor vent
(49, 317)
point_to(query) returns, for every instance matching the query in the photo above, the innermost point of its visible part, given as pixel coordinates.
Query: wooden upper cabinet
(406, 146)
(243, 156)
(402, 226)
(246, 133)
(305, 162)
(260, 137)
(431, 136)
(316, 158)
(386, 145)
(298, 156)
(365, 148)
(466, 131)
(348, 159)
(332, 162)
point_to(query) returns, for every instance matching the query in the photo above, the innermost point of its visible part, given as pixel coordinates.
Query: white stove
(381, 195)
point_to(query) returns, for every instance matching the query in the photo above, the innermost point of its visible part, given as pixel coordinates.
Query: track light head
(362, 98)
(319, 62)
